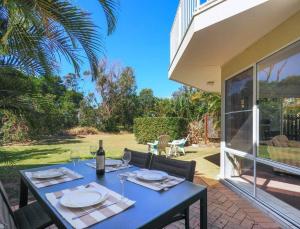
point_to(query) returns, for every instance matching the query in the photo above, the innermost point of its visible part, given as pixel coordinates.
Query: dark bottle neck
(100, 144)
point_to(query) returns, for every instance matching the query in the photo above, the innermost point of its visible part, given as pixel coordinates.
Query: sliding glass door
(238, 111)
(278, 78)
(238, 130)
(262, 135)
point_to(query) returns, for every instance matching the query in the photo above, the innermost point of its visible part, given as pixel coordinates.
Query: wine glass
(126, 157)
(93, 151)
(74, 157)
(123, 177)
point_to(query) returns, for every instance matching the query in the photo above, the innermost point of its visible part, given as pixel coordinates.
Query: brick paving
(227, 210)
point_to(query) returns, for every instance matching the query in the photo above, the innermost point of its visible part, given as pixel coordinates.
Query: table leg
(23, 194)
(203, 210)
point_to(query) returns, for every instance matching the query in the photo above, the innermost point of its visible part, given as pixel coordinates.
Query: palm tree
(35, 34)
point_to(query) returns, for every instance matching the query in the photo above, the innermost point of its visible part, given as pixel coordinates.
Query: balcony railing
(184, 15)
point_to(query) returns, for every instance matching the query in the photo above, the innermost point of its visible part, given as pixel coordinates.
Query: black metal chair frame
(20, 210)
(191, 165)
(147, 157)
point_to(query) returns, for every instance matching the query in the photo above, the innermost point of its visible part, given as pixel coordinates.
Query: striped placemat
(109, 168)
(171, 181)
(85, 217)
(40, 183)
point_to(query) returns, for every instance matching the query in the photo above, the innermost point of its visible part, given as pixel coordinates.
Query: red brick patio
(226, 209)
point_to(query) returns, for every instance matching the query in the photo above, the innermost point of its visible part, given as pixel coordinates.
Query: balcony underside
(219, 33)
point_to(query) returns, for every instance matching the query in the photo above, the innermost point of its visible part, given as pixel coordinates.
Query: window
(238, 111)
(279, 106)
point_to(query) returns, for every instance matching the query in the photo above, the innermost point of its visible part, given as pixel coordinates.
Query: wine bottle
(100, 159)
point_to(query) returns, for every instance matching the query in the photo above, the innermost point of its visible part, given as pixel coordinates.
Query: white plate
(112, 162)
(83, 198)
(47, 174)
(151, 175)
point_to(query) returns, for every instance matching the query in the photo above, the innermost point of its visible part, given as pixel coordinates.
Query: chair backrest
(185, 169)
(186, 139)
(6, 214)
(163, 141)
(139, 159)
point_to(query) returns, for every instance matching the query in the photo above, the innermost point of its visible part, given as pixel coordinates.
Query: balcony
(207, 34)
(184, 15)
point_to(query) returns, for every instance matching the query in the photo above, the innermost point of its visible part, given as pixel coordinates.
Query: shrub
(149, 129)
(13, 128)
(82, 131)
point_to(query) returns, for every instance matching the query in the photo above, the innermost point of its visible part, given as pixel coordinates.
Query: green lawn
(57, 150)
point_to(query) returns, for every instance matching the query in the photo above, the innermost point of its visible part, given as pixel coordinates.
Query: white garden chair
(177, 146)
(159, 146)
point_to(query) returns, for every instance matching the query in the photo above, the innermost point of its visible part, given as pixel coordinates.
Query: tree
(164, 108)
(31, 107)
(107, 87)
(34, 34)
(87, 111)
(71, 81)
(117, 88)
(184, 104)
(146, 102)
(126, 105)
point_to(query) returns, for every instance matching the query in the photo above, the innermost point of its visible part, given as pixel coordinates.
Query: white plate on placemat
(48, 174)
(151, 175)
(112, 162)
(83, 198)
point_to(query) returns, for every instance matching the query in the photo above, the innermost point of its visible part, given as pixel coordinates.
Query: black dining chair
(184, 169)
(139, 159)
(31, 216)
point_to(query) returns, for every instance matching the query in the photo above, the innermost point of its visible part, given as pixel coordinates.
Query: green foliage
(87, 112)
(109, 124)
(49, 105)
(193, 104)
(31, 107)
(117, 88)
(34, 34)
(149, 129)
(126, 104)
(208, 102)
(188, 103)
(164, 108)
(13, 128)
(146, 103)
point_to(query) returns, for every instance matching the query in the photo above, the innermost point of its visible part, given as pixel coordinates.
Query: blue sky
(141, 40)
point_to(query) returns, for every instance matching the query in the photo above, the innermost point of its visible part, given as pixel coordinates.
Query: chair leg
(169, 152)
(187, 218)
(177, 151)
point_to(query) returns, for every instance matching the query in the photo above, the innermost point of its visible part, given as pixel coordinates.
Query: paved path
(226, 209)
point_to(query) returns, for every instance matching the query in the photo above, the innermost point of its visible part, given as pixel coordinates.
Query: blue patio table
(151, 210)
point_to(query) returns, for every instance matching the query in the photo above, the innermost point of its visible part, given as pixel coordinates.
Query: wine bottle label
(100, 160)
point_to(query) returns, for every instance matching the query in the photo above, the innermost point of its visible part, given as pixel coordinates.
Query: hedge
(149, 129)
